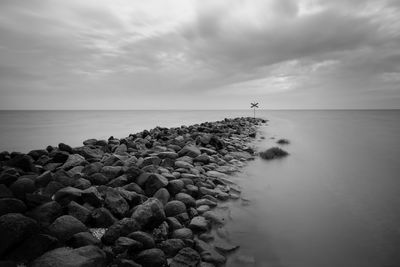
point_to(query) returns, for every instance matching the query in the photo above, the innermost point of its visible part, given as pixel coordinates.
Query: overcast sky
(206, 54)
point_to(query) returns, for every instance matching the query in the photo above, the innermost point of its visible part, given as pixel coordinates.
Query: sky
(205, 54)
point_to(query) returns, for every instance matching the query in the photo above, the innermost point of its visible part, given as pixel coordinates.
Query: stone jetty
(144, 200)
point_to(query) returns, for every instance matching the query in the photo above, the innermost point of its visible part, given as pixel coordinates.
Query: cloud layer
(178, 54)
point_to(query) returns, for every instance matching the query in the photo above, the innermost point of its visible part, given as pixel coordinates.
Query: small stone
(186, 257)
(83, 239)
(174, 208)
(183, 233)
(120, 228)
(199, 223)
(153, 257)
(188, 200)
(144, 238)
(171, 246)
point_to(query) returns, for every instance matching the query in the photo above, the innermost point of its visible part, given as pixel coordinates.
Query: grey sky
(185, 54)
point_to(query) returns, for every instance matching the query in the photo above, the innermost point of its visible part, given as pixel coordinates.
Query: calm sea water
(335, 201)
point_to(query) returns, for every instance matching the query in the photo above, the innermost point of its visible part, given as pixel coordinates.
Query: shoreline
(146, 199)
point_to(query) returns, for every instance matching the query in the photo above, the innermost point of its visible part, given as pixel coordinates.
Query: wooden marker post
(254, 106)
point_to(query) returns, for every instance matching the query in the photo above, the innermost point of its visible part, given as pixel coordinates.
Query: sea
(333, 202)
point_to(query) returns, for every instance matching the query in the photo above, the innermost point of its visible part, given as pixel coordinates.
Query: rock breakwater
(144, 200)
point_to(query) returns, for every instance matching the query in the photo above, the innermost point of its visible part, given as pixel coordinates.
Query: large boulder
(64, 227)
(88, 256)
(14, 228)
(150, 213)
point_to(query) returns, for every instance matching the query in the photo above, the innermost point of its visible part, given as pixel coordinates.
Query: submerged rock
(273, 153)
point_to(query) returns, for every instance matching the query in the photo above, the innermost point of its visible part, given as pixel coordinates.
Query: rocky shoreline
(144, 200)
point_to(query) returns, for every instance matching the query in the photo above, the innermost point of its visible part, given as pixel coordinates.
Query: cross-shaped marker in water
(254, 106)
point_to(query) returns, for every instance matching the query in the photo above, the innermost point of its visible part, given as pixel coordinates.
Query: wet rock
(186, 257)
(208, 253)
(153, 257)
(21, 187)
(46, 213)
(171, 247)
(64, 227)
(102, 218)
(224, 246)
(116, 203)
(87, 256)
(14, 228)
(144, 238)
(11, 205)
(188, 200)
(199, 223)
(150, 213)
(120, 228)
(174, 208)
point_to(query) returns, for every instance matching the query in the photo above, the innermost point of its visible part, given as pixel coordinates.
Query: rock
(183, 164)
(173, 223)
(132, 198)
(21, 187)
(32, 247)
(128, 263)
(120, 228)
(203, 158)
(78, 211)
(124, 243)
(91, 153)
(14, 228)
(111, 172)
(121, 149)
(73, 160)
(154, 182)
(171, 247)
(168, 154)
(5, 192)
(88, 256)
(203, 208)
(132, 173)
(153, 257)
(163, 195)
(83, 239)
(82, 184)
(188, 200)
(214, 218)
(68, 194)
(92, 196)
(64, 227)
(175, 186)
(98, 179)
(273, 153)
(208, 253)
(92, 168)
(150, 213)
(46, 213)
(65, 147)
(189, 150)
(59, 156)
(134, 188)
(115, 203)
(43, 179)
(144, 238)
(186, 257)
(52, 188)
(183, 233)
(199, 223)
(224, 247)
(90, 142)
(8, 178)
(174, 208)
(23, 162)
(11, 205)
(102, 218)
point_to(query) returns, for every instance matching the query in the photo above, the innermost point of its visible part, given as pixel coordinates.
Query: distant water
(335, 201)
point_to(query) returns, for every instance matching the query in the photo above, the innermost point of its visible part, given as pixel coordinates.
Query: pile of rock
(144, 200)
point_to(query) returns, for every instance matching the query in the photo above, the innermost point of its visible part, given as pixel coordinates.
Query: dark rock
(120, 228)
(11, 205)
(150, 213)
(153, 257)
(59, 156)
(65, 147)
(68, 194)
(14, 228)
(115, 203)
(102, 218)
(43, 179)
(82, 184)
(168, 154)
(173, 223)
(163, 195)
(154, 182)
(111, 172)
(52, 188)
(121, 149)
(189, 150)
(203, 158)
(36, 199)
(92, 168)
(5, 192)
(23, 162)
(118, 182)
(144, 238)
(134, 187)
(171, 246)
(83, 239)
(88, 256)
(175, 186)
(208, 253)
(123, 243)
(273, 153)
(92, 196)
(73, 160)
(186, 257)
(46, 213)
(132, 173)
(90, 142)
(188, 200)
(64, 227)
(98, 179)
(78, 211)
(174, 208)
(8, 178)
(33, 247)
(90, 153)
(21, 187)
(37, 153)
(127, 263)
(216, 142)
(199, 223)
(64, 178)
(183, 164)
(182, 233)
